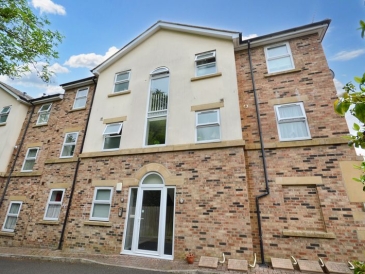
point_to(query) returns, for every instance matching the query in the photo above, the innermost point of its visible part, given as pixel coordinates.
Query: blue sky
(94, 29)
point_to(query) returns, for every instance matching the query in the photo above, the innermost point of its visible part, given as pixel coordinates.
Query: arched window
(152, 179)
(157, 107)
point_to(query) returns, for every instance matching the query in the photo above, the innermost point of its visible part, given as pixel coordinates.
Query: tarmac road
(25, 266)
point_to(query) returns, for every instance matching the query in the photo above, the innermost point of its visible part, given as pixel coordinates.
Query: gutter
(266, 190)
(60, 243)
(17, 154)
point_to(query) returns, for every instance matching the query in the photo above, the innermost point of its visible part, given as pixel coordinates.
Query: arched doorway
(149, 226)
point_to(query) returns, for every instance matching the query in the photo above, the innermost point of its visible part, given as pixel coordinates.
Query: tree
(25, 41)
(353, 101)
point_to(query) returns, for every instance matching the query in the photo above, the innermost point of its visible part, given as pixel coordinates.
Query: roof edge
(224, 34)
(319, 27)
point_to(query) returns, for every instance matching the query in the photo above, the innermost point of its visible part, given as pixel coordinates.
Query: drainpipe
(76, 171)
(17, 154)
(267, 190)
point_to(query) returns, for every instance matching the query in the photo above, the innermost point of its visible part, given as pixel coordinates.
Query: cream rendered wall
(176, 51)
(10, 132)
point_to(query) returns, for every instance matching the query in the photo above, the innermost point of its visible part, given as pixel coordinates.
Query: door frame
(162, 220)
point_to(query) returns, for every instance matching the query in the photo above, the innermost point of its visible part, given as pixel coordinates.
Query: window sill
(3, 124)
(98, 223)
(7, 234)
(282, 72)
(60, 160)
(119, 93)
(309, 234)
(77, 109)
(26, 174)
(206, 76)
(42, 125)
(45, 222)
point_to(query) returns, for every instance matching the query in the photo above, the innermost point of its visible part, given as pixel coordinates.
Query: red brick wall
(36, 189)
(214, 217)
(323, 208)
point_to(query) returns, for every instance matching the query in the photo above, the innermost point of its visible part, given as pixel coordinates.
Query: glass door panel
(130, 219)
(169, 221)
(149, 220)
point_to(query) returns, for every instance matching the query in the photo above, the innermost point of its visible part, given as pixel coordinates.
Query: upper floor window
(69, 144)
(4, 114)
(279, 58)
(208, 126)
(112, 134)
(292, 122)
(157, 107)
(30, 158)
(81, 97)
(54, 204)
(121, 81)
(12, 216)
(102, 201)
(205, 63)
(43, 114)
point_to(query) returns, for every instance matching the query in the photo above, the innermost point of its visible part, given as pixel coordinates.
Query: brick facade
(214, 217)
(49, 172)
(300, 209)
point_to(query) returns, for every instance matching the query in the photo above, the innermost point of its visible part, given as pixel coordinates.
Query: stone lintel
(207, 106)
(110, 183)
(295, 181)
(45, 222)
(60, 160)
(309, 234)
(114, 120)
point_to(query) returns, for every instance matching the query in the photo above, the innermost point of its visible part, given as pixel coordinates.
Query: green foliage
(362, 27)
(359, 267)
(25, 41)
(353, 100)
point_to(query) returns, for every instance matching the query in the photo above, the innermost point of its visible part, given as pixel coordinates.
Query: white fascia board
(9, 92)
(39, 101)
(321, 30)
(163, 25)
(77, 85)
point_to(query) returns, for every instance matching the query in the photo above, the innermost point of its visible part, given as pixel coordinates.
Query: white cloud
(57, 68)
(33, 85)
(348, 55)
(47, 6)
(339, 86)
(249, 36)
(89, 60)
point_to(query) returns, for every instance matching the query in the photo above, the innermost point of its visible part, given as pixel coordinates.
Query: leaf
(358, 79)
(359, 112)
(341, 107)
(356, 179)
(356, 127)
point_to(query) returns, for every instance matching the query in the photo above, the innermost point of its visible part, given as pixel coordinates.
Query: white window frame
(42, 111)
(101, 202)
(217, 123)
(280, 120)
(30, 158)
(112, 134)
(5, 113)
(289, 54)
(49, 202)
(69, 144)
(77, 97)
(122, 81)
(198, 57)
(8, 214)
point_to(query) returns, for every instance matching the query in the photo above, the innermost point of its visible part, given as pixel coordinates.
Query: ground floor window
(12, 216)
